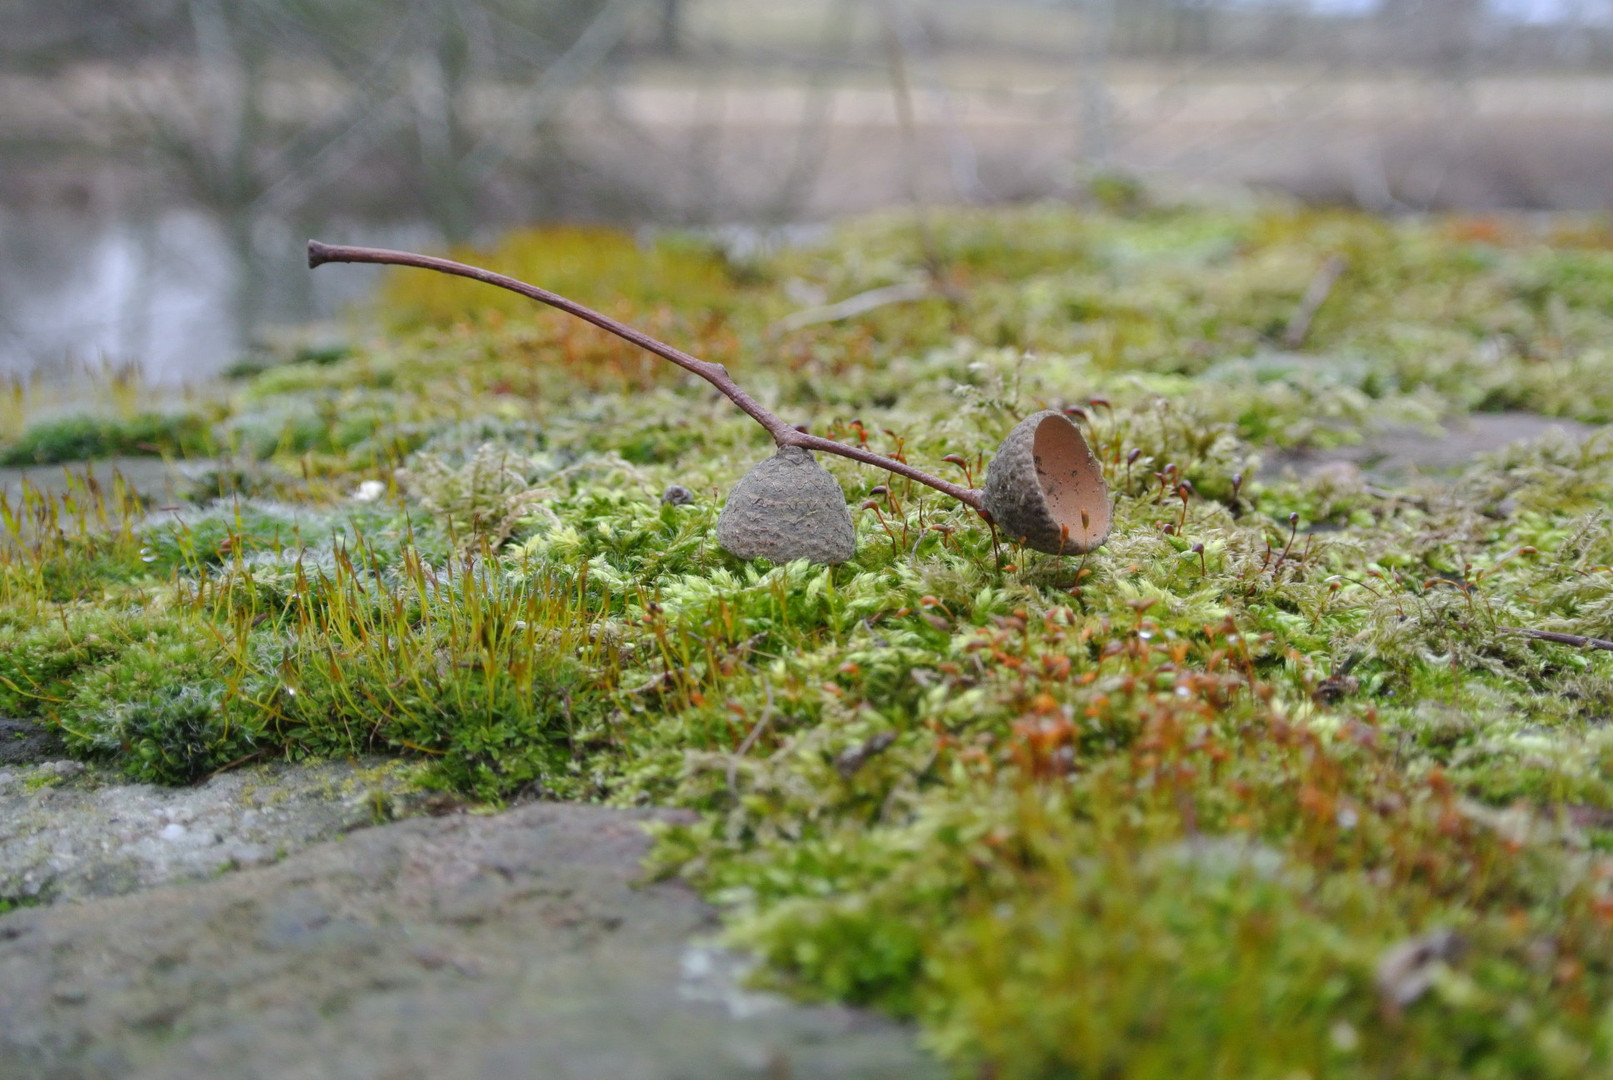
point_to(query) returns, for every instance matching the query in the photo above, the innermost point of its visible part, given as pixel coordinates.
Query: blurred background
(162, 161)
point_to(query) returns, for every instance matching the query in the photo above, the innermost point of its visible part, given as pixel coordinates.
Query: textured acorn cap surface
(1046, 490)
(788, 507)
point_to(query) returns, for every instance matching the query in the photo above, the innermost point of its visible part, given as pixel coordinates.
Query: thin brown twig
(860, 304)
(903, 94)
(227, 767)
(749, 741)
(1316, 294)
(1577, 640)
(717, 375)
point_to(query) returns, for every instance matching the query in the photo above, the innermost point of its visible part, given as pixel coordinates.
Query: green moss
(1160, 810)
(39, 662)
(79, 438)
(595, 265)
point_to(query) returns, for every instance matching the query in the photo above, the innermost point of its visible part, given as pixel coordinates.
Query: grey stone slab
(1400, 453)
(23, 742)
(68, 832)
(518, 945)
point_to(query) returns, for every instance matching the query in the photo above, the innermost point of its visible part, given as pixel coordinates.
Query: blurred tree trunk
(1161, 27)
(671, 35)
(438, 78)
(1443, 33)
(221, 162)
(1098, 39)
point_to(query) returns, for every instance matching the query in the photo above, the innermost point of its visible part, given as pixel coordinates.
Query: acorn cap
(1046, 490)
(788, 507)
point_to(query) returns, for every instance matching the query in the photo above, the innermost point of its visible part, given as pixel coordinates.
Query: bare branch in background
(902, 95)
(861, 304)
(1316, 294)
(965, 162)
(602, 34)
(449, 119)
(1094, 64)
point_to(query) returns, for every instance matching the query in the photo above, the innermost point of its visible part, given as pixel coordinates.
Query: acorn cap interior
(1046, 490)
(1071, 483)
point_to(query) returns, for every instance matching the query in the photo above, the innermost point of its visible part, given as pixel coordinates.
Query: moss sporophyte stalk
(1303, 770)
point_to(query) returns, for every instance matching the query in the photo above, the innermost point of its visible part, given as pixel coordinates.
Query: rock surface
(1396, 454)
(23, 742)
(152, 477)
(67, 832)
(518, 945)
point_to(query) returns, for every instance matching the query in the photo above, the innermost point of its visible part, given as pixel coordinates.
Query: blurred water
(177, 293)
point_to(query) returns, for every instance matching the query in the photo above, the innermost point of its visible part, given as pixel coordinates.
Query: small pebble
(63, 769)
(677, 495)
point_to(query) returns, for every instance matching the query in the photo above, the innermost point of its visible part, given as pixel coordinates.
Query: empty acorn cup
(1046, 490)
(788, 507)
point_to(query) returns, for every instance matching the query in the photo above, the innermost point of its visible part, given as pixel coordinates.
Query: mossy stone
(1046, 490)
(788, 507)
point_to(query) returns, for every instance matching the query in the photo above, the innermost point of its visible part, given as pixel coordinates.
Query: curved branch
(716, 374)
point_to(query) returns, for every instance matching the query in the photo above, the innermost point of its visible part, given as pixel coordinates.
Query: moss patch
(1164, 809)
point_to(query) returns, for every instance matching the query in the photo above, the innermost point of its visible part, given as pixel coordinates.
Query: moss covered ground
(1269, 786)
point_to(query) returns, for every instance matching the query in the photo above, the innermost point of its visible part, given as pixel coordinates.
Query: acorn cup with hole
(1045, 488)
(785, 508)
